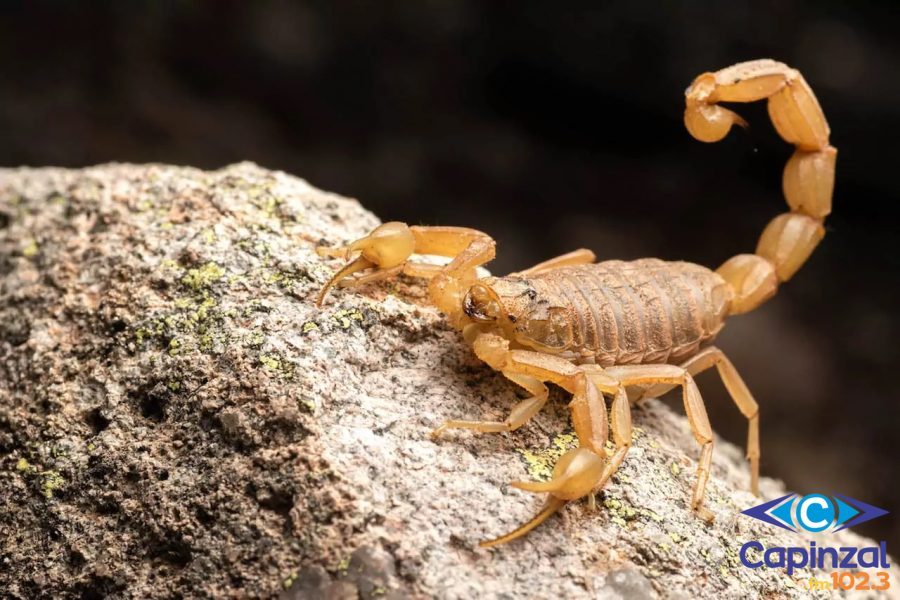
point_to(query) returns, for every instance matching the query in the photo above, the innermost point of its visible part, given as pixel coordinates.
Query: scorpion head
(514, 306)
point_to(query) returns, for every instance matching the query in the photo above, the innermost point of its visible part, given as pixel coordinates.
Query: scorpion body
(615, 329)
(646, 311)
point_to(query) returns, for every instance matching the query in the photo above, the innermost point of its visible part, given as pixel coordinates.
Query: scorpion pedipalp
(385, 249)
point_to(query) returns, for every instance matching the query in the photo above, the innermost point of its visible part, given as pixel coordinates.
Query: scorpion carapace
(618, 329)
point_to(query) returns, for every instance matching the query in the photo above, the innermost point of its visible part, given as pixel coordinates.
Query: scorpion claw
(385, 249)
(553, 505)
(359, 264)
(574, 476)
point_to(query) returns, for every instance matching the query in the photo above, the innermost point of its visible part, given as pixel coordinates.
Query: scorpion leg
(696, 414)
(620, 425)
(518, 416)
(577, 471)
(582, 256)
(713, 357)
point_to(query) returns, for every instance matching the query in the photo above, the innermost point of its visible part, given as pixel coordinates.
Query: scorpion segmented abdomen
(643, 311)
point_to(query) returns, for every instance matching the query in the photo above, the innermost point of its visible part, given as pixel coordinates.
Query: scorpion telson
(646, 326)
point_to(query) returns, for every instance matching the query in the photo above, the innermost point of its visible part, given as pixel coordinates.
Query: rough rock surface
(178, 419)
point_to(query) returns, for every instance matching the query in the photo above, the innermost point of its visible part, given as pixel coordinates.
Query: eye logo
(816, 513)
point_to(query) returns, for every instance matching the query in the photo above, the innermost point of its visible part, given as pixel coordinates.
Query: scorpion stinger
(603, 329)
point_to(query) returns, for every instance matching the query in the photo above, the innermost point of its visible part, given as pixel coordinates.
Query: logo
(816, 513)
(819, 513)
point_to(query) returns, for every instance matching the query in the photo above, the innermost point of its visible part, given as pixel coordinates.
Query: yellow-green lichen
(620, 513)
(141, 334)
(265, 201)
(343, 566)
(201, 313)
(649, 514)
(256, 339)
(195, 324)
(168, 263)
(51, 481)
(309, 326)
(273, 276)
(539, 463)
(731, 557)
(251, 306)
(202, 277)
(270, 362)
(273, 362)
(286, 281)
(345, 317)
(675, 469)
(30, 249)
(288, 581)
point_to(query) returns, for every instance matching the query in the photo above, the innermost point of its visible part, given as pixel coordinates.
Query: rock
(626, 584)
(178, 418)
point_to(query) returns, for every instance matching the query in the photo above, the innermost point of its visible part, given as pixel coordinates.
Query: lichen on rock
(178, 418)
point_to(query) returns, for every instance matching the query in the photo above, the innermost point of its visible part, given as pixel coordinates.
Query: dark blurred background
(550, 127)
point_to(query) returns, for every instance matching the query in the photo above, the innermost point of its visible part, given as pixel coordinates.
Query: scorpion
(623, 330)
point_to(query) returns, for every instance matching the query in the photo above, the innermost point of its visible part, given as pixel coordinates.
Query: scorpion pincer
(606, 329)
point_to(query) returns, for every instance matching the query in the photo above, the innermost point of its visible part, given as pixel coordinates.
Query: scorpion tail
(808, 181)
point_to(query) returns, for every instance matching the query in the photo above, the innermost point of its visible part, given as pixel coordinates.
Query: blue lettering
(847, 561)
(793, 558)
(744, 560)
(832, 552)
(861, 557)
(778, 553)
(798, 563)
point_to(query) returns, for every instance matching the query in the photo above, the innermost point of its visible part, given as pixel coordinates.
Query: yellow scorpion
(621, 329)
